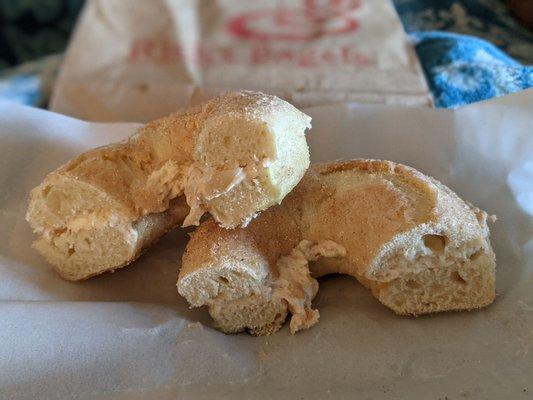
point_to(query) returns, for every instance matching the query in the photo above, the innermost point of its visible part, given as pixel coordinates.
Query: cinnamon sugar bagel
(232, 157)
(407, 237)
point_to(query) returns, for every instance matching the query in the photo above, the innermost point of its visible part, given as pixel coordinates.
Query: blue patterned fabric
(485, 19)
(30, 83)
(460, 67)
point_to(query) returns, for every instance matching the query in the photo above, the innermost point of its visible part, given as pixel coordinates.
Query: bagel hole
(457, 278)
(435, 242)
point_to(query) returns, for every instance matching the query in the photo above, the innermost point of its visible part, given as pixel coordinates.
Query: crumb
(263, 355)
(464, 393)
(195, 325)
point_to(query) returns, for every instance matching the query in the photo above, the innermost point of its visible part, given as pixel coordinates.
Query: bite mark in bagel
(407, 237)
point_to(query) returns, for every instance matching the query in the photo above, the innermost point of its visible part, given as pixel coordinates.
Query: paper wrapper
(132, 60)
(129, 335)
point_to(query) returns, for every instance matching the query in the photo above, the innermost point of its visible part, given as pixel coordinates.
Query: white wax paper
(129, 335)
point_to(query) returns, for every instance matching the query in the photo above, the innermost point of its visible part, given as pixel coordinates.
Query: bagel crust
(407, 237)
(232, 157)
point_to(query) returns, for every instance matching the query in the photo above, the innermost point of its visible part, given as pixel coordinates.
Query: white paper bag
(133, 60)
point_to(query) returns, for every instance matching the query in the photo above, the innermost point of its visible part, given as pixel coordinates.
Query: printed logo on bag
(315, 19)
(274, 36)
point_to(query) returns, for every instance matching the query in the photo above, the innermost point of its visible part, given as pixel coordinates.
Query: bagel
(407, 237)
(233, 157)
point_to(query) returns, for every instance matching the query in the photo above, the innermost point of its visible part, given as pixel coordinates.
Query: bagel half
(233, 157)
(407, 237)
